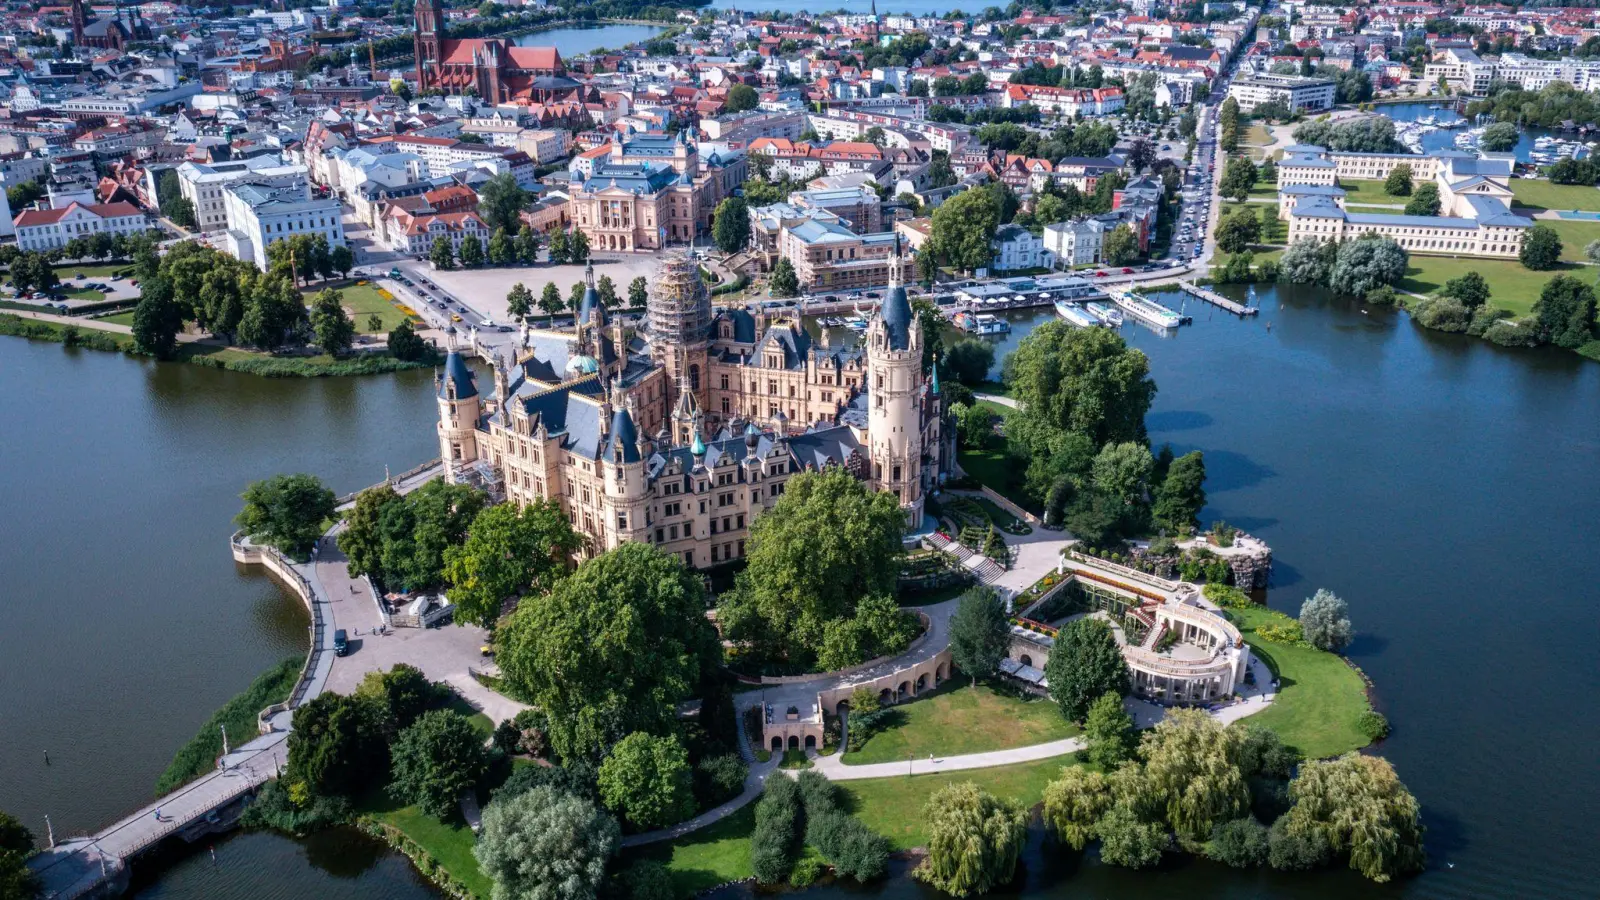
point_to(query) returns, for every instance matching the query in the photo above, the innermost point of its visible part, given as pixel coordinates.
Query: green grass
(997, 470)
(998, 516)
(238, 716)
(1540, 194)
(121, 318)
(958, 719)
(480, 723)
(1511, 286)
(449, 843)
(1360, 192)
(83, 294)
(893, 806)
(1575, 235)
(362, 300)
(795, 759)
(67, 272)
(703, 859)
(1319, 698)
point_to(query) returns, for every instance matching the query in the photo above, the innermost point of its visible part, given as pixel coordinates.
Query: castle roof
(458, 377)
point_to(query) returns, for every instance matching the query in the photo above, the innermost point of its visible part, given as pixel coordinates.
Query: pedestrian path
(836, 770)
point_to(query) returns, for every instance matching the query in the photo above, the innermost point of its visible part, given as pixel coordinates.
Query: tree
(550, 299)
(331, 325)
(519, 302)
(1074, 803)
(1235, 233)
(607, 290)
(1109, 732)
(1357, 806)
(502, 248)
(527, 245)
(646, 780)
(575, 296)
(405, 344)
(336, 746)
(1192, 763)
(1084, 665)
(509, 551)
(969, 360)
(1565, 312)
(1127, 840)
(560, 247)
(963, 228)
(1541, 248)
(1499, 137)
(471, 251)
(1240, 843)
(940, 173)
(286, 512)
(784, 282)
(546, 844)
(321, 257)
(1325, 621)
(740, 98)
(828, 543)
(980, 632)
(1237, 179)
(578, 248)
(157, 319)
(1425, 201)
(1269, 171)
(17, 881)
(638, 292)
(442, 254)
(343, 259)
(974, 840)
(731, 227)
(1084, 380)
(1181, 495)
(1366, 263)
(501, 202)
(1121, 246)
(612, 648)
(1398, 184)
(400, 695)
(1306, 261)
(435, 760)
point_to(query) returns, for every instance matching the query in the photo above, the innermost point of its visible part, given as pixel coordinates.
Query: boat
(1147, 310)
(1075, 315)
(981, 323)
(1108, 315)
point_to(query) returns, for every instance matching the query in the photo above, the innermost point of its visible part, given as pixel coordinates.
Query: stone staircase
(1153, 636)
(983, 568)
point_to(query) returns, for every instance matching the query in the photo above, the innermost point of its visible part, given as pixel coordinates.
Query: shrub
(275, 807)
(1296, 852)
(567, 779)
(1442, 314)
(1513, 333)
(807, 871)
(1227, 596)
(647, 879)
(1374, 725)
(718, 779)
(775, 843)
(1241, 843)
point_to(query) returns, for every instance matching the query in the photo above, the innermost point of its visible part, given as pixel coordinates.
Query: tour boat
(1147, 310)
(981, 323)
(1074, 314)
(1108, 315)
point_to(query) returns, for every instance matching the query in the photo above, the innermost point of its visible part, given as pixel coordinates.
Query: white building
(51, 229)
(1079, 242)
(1016, 248)
(259, 216)
(1291, 90)
(202, 185)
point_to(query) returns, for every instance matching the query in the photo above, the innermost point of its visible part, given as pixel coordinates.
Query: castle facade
(681, 434)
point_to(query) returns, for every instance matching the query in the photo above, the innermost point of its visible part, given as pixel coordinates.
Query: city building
(1297, 93)
(650, 190)
(51, 229)
(826, 254)
(1077, 242)
(1017, 248)
(259, 216)
(494, 69)
(681, 434)
(202, 184)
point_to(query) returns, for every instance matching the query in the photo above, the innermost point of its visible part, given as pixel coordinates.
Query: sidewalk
(836, 770)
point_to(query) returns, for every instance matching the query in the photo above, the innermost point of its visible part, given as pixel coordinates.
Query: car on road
(395, 272)
(454, 317)
(1100, 274)
(1127, 271)
(341, 643)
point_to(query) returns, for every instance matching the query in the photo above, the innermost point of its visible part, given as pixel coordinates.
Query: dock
(1216, 299)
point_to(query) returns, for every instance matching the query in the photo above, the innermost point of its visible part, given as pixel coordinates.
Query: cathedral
(494, 69)
(682, 433)
(106, 34)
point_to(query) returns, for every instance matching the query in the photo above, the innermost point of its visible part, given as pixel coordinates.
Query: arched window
(694, 378)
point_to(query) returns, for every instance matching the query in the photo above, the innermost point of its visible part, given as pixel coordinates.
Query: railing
(1094, 562)
(278, 564)
(393, 480)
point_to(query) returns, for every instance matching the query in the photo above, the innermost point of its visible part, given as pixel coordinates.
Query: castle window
(622, 520)
(713, 526)
(714, 553)
(660, 535)
(672, 533)
(688, 557)
(725, 378)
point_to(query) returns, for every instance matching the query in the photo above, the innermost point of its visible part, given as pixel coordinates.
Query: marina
(1108, 315)
(1241, 310)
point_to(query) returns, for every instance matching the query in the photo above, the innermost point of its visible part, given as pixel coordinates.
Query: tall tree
(1084, 380)
(527, 245)
(546, 844)
(638, 292)
(17, 881)
(963, 229)
(502, 248)
(157, 319)
(1325, 621)
(519, 302)
(731, 227)
(1181, 495)
(1399, 182)
(550, 299)
(1109, 732)
(471, 251)
(974, 840)
(501, 201)
(612, 648)
(1121, 246)
(343, 259)
(286, 512)
(969, 360)
(1192, 763)
(509, 551)
(646, 780)
(784, 282)
(1424, 200)
(578, 248)
(1074, 803)
(1366, 263)
(331, 325)
(1357, 806)
(336, 747)
(435, 760)
(1084, 665)
(442, 254)
(980, 632)
(740, 98)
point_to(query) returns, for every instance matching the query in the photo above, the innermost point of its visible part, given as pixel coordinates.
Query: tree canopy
(546, 844)
(1366, 263)
(980, 632)
(1084, 380)
(1084, 665)
(287, 512)
(612, 649)
(646, 780)
(436, 759)
(510, 550)
(1541, 248)
(974, 840)
(1357, 806)
(501, 201)
(1325, 621)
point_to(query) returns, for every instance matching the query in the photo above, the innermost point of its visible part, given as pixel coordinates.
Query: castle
(682, 434)
(494, 69)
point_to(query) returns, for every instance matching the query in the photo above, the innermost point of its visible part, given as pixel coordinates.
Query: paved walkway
(996, 398)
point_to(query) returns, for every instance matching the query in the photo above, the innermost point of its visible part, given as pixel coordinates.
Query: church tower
(428, 41)
(679, 313)
(894, 390)
(459, 408)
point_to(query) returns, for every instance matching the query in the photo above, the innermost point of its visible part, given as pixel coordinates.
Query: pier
(1216, 299)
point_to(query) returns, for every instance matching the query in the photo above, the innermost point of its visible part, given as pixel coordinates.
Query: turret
(459, 409)
(894, 383)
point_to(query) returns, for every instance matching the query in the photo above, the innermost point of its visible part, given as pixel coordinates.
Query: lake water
(580, 40)
(1441, 485)
(1444, 138)
(853, 7)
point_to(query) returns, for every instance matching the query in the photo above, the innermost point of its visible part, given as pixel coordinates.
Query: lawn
(121, 318)
(361, 301)
(1575, 235)
(67, 272)
(995, 469)
(448, 843)
(706, 858)
(958, 719)
(1511, 286)
(1359, 192)
(82, 293)
(479, 722)
(1537, 193)
(893, 806)
(1319, 697)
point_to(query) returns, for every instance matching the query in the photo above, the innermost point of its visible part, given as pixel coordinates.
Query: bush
(1513, 333)
(567, 779)
(275, 808)
(1292, 853)
(718, 779)
(1374, 725)
(647, 879)
(1442, 314)
(1241, 843)
(807, 871)
(775, 843)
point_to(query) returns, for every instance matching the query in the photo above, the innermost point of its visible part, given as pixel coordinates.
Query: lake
(1444, 138)
(852, 7)
(1443, 486)
(577, 41)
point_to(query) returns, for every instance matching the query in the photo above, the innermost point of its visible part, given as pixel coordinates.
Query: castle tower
(894, 387)
(627, 493)
(679, 313)
(459, 408)
(429, 35)
(686, 417)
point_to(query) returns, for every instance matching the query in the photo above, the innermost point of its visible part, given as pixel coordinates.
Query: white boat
(1075, 315)
(1147, 310)
(1107, 314)
(981, 323)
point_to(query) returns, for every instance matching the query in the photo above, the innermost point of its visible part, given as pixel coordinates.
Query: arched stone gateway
(1026, 660)
(777, 744)
(886, 696)
(794, 742)
(811, 742)
(903, 692)
(922, 682)
(940, 673)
